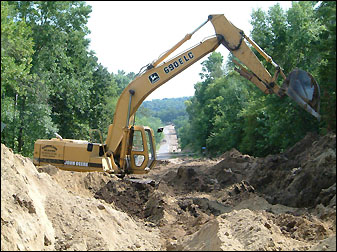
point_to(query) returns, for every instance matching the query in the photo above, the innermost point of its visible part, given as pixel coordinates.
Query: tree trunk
(20, 136)
(14, 121)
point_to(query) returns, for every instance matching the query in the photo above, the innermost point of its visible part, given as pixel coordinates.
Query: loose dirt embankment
(236, 202)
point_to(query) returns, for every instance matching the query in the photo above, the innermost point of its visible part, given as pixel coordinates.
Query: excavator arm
(121, 154)
(298, 85)
(156, 75)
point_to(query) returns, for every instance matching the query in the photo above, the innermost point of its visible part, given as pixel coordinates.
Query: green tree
(167, 109)
(123, 79)
(103, 97)
(230, 112)
(326, 48)
(200, 113)
(63, 88)
(20, 89)
(60, 57)
(60, 60)
(295, 32)
(144, 118)
(212, 67)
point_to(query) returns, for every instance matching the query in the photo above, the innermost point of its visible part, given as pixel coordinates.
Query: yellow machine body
(83, 156)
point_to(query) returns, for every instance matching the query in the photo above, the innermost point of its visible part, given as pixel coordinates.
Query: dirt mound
(55, 210)
(135, 198)
(245, 229)
(282, 186)
(237, 202)
(302, 176)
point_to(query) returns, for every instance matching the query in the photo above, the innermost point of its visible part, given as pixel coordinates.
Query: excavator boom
(143, 85)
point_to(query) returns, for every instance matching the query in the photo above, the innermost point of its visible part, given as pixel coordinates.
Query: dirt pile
(56, 210)
(236, 202)
(295, 190)
(302, 176)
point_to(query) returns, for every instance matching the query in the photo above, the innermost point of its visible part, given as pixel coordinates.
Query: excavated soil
(235, 202)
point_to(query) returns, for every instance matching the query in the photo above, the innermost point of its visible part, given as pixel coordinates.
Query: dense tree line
(50, 81)
(228, 111)
(167, 109)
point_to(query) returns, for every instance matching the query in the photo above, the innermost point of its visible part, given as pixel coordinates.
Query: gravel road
(169, 144)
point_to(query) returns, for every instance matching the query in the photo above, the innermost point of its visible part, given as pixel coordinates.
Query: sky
(127, 35)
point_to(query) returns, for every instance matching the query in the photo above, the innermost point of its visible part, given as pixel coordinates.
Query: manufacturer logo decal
(67, 162)
(154, 78)
(48, 151)
(49, 148)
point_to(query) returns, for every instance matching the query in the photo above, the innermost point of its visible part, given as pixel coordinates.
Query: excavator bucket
(303, 88)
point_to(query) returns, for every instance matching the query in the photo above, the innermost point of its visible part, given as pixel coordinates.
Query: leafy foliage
(167, 109)
(145, 118)
(326, 48)
(23, 96)
(51, 82)
(160, 112)
(229, 112)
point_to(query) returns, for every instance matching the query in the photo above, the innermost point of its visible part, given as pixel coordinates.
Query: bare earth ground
(235, 202)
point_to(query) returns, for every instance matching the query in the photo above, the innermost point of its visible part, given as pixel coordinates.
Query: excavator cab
(140, 155)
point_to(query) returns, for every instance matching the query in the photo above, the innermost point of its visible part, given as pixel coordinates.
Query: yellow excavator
(129, 148)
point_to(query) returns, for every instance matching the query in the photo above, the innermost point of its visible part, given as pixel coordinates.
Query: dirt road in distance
(169, 147)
